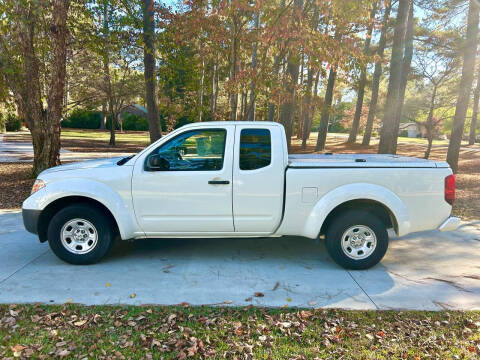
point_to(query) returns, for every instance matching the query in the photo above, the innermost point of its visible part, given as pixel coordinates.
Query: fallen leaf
(132, 295)
(258, 294)
(107, 284)
(64, 353)
(17, 348)
(289, 299)
(80, 323)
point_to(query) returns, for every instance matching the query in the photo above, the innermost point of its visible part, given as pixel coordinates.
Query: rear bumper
(30, 220)
(450, 224)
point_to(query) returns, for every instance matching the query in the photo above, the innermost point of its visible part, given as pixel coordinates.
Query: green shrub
(13, 123)
(83, 119)
(183, 120)
(133, 122)
(403, 133)
(108, 123)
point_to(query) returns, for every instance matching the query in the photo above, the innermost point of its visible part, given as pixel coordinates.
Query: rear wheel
(357, 239)
(81, 234)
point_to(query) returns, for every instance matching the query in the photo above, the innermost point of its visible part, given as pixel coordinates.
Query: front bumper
(30, 219)
(450, 224)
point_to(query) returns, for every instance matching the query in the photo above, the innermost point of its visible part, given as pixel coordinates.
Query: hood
(89, 164)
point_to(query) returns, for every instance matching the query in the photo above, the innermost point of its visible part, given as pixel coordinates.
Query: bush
(13, 123)
(83, 119)
(403, 133)
(133, 122)
(183, 120)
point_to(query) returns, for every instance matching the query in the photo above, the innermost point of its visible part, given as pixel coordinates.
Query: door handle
(219, 182)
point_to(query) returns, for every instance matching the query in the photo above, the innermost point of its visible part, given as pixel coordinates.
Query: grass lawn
(75, 331)
(139, 137)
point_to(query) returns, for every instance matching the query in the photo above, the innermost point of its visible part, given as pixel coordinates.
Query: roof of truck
(222, 123)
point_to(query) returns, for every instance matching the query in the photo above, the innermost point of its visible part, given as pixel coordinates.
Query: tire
(81, 234)
(360, 250)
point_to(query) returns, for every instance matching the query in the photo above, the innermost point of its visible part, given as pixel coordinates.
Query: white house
(411, 128)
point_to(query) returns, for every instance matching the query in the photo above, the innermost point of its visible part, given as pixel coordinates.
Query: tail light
(450, 189)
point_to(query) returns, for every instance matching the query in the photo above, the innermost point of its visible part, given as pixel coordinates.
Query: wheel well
(61, 203)
(375, 207)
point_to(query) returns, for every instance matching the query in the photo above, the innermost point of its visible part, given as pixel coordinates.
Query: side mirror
(157, 163)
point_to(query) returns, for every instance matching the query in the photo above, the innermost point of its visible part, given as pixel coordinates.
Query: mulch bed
(16, 182)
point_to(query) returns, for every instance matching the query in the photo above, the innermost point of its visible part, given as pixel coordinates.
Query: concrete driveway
(430, 270)
(23, 152)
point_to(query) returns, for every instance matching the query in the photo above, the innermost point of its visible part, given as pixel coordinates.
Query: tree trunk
(213, 99)
(149, 73)
(352, 137)
(243, 105)
(200, 89)
(276, 68)
(429, 146)
(301, 99)
(106, 73)
(251, 106)
(322, 131)
(50, 156)
(473, 124)
(113, 125)
(233, 76)
(407, 61)
(429, 124)
(315, 101)
(389, 133)
(103, 119)
(465, 87)
(288, 108)
(271, 105)
(377, 74)
(308, 107)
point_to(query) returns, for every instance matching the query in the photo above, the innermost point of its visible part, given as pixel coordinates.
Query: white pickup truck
(236, 179)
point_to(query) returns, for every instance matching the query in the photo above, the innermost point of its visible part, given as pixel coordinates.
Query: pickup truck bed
(359, 161)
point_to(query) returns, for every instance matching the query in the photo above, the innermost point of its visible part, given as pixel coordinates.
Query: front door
(191, 190)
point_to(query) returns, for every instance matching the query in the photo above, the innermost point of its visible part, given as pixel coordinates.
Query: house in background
(411, 130)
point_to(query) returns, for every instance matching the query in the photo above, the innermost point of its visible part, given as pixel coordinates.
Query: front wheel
(81, 234)
(357, 239)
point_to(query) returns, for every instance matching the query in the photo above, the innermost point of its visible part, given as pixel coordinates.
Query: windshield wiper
(124, 160)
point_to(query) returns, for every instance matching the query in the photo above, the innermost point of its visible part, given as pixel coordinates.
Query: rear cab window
(255, 149)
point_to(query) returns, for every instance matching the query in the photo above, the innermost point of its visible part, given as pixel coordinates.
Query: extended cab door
(258, 174)
(185, 185)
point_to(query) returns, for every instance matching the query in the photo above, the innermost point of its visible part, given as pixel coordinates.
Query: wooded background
(361, 67)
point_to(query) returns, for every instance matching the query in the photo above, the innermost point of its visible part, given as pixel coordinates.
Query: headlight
(37, 185)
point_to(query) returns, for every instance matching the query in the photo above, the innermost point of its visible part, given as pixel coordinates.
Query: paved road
(23, 152)
(429, 270)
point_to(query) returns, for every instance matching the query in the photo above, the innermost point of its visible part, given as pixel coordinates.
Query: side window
(196, 150)
(255, 149)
